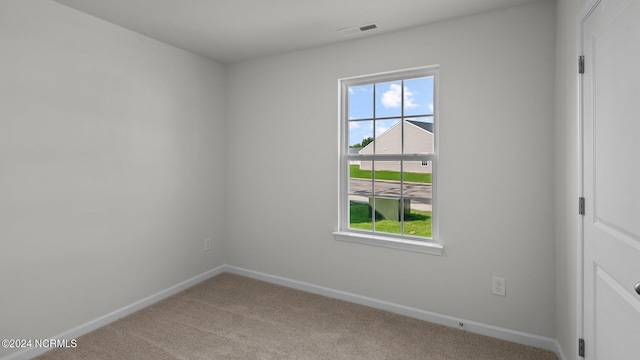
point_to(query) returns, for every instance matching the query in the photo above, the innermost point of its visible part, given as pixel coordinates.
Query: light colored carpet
(233, 317)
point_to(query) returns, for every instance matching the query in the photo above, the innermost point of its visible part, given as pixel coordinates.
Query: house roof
(423, 125)
(428, 127)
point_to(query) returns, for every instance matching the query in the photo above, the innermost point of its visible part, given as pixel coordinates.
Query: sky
(388, 102)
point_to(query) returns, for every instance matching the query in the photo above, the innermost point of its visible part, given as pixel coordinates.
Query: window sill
(389, 242)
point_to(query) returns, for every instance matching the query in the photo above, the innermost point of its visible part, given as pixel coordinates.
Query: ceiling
(235, 30)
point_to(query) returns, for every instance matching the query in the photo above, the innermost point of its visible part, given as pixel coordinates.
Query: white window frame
(402, 242)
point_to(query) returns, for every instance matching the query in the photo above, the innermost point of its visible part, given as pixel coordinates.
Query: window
(388, 158)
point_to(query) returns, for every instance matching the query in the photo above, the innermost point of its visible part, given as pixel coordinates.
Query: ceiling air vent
(358, 29)
(368, 27)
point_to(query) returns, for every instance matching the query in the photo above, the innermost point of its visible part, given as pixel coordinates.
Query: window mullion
(373, 166)
(373, 195)
(390, 117)
(402, 161)
(391, 157)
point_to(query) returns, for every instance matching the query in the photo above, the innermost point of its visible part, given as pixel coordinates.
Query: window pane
(418, 135)
(389, 99)
(360, 191)
(388, 214)
(418, 96)
(417, 190)
(417, 172)
(360, 135)
(387, 197)
(388, 137)
(359, 214)
(360, 178)
(360, 102)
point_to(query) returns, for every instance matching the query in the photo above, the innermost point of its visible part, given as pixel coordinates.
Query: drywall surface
(566, 176)
(111, 158)
(496, 168)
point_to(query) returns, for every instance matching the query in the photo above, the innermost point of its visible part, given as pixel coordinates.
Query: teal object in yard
(390, 208)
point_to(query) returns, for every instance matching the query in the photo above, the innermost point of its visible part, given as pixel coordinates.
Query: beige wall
(111, 150)
(496, 90)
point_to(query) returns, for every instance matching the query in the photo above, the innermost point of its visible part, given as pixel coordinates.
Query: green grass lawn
(355, 172)
(417, 223)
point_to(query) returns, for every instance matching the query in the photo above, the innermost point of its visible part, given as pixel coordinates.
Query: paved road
(420, 194)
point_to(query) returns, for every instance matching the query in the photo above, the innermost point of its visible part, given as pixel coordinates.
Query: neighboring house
(354, 151)
(418, 139)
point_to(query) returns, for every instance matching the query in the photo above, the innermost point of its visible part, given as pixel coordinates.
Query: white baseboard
(29, 353)
(468, 325)
(559, 352)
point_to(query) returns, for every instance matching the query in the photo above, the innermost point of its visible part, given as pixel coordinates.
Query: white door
(611, 180)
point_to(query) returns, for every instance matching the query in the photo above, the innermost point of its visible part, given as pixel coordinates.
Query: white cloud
(391, 97)
(354, 125)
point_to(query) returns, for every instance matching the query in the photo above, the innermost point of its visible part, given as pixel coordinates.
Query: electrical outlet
(207, 244)
(499, 286)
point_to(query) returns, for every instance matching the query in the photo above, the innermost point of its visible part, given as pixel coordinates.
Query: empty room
(305, 179)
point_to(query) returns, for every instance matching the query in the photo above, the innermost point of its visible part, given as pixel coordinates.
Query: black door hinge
(581, 206)
(581, 347)
(581, 64)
